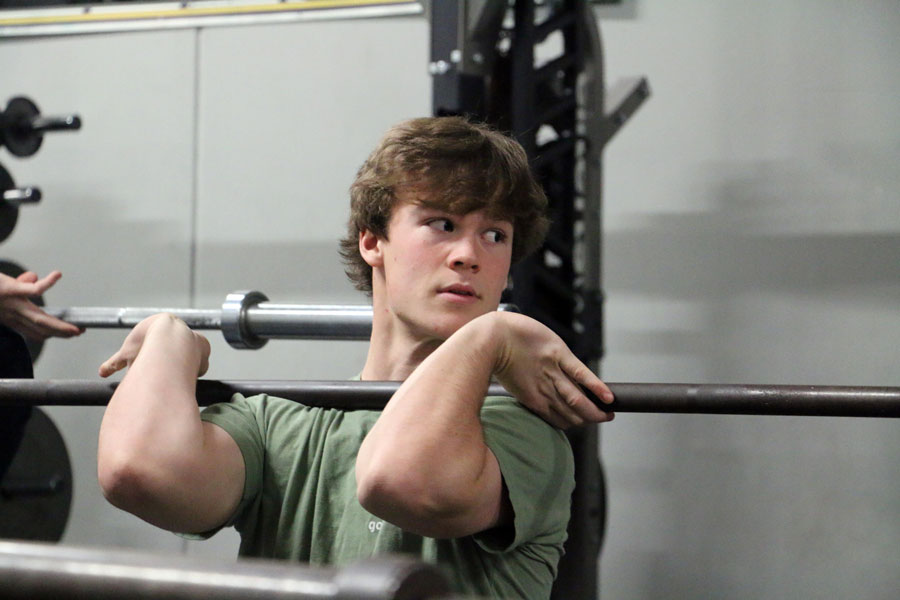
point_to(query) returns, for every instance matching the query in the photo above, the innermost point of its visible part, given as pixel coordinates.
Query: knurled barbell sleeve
(727, 399)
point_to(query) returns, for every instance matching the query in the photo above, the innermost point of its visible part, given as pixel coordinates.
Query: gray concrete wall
(752, 214)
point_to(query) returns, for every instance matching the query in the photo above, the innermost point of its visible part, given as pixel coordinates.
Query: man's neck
(393, 355)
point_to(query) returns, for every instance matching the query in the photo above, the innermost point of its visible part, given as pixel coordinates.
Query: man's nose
(464, 254)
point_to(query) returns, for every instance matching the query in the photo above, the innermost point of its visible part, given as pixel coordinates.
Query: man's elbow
(413, 506)
(123, 482)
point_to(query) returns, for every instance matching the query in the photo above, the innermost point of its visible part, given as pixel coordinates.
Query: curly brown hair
(452, 164)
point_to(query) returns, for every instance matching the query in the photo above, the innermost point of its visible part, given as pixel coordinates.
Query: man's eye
(441, 224)
(495, 236)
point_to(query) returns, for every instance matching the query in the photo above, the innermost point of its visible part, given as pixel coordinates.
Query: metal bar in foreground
(729, 399)
(42, 572)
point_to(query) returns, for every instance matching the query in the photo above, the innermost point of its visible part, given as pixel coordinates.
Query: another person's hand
(18, 312)
(165, 324)
(545, 376)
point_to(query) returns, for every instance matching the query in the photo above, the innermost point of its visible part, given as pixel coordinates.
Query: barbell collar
(727, 399)
(234, 320)
(43, 571)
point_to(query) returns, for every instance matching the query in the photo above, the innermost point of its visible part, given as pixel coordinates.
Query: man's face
(438, 271)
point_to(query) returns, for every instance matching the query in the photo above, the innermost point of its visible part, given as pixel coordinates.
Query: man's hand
(131, 347)
(21, 314)
(545, 376)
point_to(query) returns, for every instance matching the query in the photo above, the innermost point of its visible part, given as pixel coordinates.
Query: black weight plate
(36, 493)
(16, 132)
(9, 213)
(35, 473)
(15, 363)
(13, 270)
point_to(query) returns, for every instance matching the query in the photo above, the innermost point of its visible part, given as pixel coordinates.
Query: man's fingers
(578, 407)
(580, 374)
(42, 285)
(29, 330)
(53, 326)
(27, 277)
(113, 363)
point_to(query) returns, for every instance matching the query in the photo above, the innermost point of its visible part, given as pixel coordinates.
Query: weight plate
(9, 213)
(15, 363)
(16, 131)
(36, 492)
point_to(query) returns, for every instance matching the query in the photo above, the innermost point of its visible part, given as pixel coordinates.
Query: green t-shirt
(299, 501)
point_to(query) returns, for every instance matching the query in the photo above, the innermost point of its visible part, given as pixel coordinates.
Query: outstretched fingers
(45, 283)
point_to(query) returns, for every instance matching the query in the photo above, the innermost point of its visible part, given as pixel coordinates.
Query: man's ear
(370, 248)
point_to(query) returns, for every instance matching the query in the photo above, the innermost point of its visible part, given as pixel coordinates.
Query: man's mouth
(459, 290)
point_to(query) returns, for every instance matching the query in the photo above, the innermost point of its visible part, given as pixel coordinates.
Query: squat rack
(489, 61)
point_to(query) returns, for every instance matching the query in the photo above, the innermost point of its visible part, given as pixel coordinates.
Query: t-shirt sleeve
(538, 472)
(243, 419)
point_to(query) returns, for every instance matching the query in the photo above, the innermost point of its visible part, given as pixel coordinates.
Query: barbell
(22, 127)
(728, 399)
(41, 571)
(247, 319)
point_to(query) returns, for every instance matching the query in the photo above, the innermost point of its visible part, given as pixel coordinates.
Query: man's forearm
(151, 429)
(425, 465)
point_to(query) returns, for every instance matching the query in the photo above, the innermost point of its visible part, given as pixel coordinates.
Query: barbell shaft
(23, 195)
(42, 571)
(734, 399)
(102, 317)
(65, 123)
(247, 319)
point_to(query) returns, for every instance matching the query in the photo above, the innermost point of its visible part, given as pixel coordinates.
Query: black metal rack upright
(535, 69)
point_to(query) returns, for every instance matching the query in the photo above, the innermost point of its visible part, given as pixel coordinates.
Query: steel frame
(484, 65)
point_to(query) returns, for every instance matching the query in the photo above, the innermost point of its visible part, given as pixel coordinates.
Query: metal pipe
(43, 571)
(103, 317)
(247, 319)
(23, 195)
(65, 123)
(339, 322)
(825, 401)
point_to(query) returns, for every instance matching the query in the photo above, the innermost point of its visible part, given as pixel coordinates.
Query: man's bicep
(220, 478)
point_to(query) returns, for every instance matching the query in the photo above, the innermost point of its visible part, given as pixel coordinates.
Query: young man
(481, 486)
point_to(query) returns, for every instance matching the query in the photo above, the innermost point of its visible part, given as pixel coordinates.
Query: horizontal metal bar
(23, 195)
(266, 319)
(104, 317)
(43, 571)
(247, 319)
(286, 321)
(734, 399)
